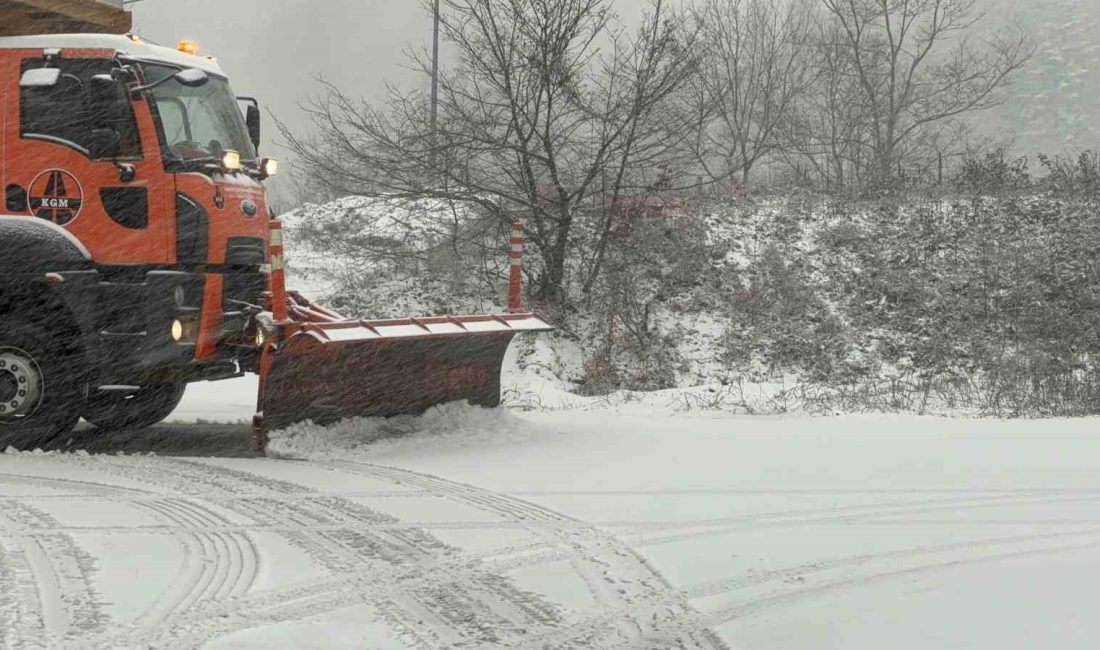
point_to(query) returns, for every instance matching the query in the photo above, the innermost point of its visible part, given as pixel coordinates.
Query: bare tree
(918, 66)
(756, 64)
(549, 108)
(828, 129)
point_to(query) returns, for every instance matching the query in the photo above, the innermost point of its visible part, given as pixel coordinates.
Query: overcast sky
(275, 50)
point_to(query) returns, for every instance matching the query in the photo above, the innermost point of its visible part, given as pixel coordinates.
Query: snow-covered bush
(985, 302)
(656, 263)
(392, 258)
(992, 300)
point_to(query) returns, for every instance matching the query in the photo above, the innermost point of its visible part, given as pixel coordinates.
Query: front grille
(244, 251)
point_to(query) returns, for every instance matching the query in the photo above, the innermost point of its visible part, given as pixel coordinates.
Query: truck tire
(148, 406)
(40, 394)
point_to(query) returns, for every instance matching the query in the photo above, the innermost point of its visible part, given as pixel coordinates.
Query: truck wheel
(148, 406)
(40, 394)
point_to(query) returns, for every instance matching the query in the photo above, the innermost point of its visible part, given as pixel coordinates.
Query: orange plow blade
(328, 371)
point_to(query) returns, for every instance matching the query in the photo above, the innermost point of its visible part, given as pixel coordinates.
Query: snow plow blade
(325, 372)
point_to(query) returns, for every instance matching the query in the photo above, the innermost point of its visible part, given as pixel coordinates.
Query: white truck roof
(139, 49)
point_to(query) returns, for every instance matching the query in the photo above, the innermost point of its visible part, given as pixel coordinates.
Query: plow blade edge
(325, 372)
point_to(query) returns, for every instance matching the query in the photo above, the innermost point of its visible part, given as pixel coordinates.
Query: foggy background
(276, 49)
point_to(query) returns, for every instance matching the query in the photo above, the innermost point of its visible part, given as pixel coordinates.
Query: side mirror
(40, 78)
(252, 120)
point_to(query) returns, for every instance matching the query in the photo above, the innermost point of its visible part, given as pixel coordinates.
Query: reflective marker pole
(278, 273)
(515, 282)
(276, 285)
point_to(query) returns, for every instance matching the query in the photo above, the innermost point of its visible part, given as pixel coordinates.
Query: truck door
(121, 207)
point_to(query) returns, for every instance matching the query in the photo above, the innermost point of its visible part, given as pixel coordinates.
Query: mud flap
(330, 371)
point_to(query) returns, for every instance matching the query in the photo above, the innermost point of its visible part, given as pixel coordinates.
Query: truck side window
(60, 114)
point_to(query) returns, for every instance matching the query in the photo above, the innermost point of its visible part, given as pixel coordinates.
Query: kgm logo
(55, 195)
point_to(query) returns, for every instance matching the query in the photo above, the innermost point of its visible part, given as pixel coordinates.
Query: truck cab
(133, 232)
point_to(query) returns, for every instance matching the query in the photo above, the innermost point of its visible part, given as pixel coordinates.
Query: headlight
(185, 330)
(261, 338)
(180, 295)
(231, 160)
(269, 167)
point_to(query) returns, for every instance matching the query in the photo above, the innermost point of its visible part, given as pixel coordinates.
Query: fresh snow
(627, 521)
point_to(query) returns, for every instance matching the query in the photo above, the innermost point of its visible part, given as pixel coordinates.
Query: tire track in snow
(323, 596)
(86, 488)
(470, 600)
(234, 551)
(423, 586)
(541, 552)
(976, 492)
(216, 565)
(9, 605)
(547, 551)
(842, 515)
(53, 579)
(51, 576)
(24, 625)
(779, 598)
(446, 601)
(514, 510)
(732, 492)
(801, 571)
(797, 574)
(525, 514)
(634, 600)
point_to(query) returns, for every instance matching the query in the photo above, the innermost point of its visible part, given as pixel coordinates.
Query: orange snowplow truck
(138, 254)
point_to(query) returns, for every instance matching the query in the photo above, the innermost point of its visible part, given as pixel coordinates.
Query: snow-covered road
(578, 528)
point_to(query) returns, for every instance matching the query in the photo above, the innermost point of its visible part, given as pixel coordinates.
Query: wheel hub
(21, 385)
(9, 387)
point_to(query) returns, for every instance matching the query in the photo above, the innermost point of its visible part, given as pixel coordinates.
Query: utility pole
(435, 78)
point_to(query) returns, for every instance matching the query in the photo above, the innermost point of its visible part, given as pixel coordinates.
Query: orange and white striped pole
(515, 281)
(277, 279)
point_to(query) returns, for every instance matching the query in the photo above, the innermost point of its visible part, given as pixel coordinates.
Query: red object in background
(515, 282)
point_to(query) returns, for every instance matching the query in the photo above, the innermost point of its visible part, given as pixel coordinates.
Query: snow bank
(456, 424)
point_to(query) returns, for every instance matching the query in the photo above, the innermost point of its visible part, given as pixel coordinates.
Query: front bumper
(127, 318)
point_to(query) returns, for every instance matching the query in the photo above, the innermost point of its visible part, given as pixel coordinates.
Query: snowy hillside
(933, 304)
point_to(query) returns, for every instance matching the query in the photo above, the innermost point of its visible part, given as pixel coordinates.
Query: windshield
(198, 124)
